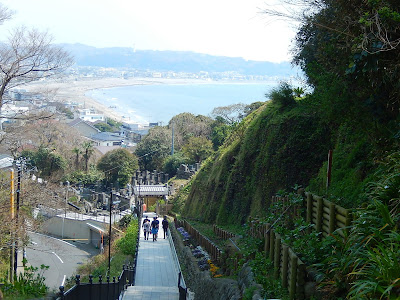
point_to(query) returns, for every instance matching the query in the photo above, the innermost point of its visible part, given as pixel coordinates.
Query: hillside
(272, 150)
(176, 61)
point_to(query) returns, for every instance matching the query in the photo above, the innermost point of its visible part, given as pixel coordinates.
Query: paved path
(156, 272)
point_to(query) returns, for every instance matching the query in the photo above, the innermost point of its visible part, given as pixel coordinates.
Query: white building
(89, 114)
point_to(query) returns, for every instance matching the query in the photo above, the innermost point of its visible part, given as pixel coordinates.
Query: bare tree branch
(5, 13)
(29, 56)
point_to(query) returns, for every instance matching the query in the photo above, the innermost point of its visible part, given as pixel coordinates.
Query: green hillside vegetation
(274, 148)
(349, 51)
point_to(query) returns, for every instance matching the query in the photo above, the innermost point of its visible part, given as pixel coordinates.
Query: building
(89, 114)
(107, 139)
(84, 128)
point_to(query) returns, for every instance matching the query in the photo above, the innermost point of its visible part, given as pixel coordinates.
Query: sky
(234, 28)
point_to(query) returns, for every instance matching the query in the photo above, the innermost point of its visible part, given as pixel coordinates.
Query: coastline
(75, 90)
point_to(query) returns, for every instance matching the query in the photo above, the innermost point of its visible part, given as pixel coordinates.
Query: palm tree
(87, 153)
(77, 152)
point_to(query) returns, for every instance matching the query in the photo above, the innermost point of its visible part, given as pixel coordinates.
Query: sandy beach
(75, 90)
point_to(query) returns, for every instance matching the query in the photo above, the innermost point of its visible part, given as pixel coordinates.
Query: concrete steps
(151, 293)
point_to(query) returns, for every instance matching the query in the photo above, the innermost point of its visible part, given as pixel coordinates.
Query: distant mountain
(177, 61)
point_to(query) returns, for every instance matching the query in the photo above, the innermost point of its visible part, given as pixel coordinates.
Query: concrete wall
(72, 228)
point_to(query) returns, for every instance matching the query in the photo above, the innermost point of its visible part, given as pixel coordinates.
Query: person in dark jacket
(154, 228)
(165, 226)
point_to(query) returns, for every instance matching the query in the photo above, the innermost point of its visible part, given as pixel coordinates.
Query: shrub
(282, 95)
(127, 244)
(28, 284)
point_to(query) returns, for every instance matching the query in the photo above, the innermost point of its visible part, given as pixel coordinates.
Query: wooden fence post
(266, 236)
(277, 256)
(301, 271)
(332, 217)
(285, 264)
(319, 214)
(309, 208)
(348, 221)
(271, 245)
(293, 277)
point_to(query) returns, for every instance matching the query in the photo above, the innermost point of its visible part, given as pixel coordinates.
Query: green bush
(27, 284)
(127, 244)
(282, 95)
(263, 269)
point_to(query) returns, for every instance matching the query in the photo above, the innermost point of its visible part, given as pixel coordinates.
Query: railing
(181, 282)
(109, 290)
(182, 289)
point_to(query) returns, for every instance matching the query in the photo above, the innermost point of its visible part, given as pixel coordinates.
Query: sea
(153, 103)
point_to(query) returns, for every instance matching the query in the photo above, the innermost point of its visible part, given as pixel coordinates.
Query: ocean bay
(160, 102)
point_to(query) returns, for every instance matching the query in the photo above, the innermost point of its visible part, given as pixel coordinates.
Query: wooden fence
(222, 233)
(294, 210)
(326, 216)
(204, 242)
(287, 265)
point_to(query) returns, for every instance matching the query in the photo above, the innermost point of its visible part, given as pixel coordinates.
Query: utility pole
(109, 236)
(12, 257)
(16, 219)
(172, 146)
(65, 210)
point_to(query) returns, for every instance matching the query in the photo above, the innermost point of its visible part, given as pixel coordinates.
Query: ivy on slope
(272, 149)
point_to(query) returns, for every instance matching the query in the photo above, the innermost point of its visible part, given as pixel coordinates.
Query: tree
(187, 125)
(231, 114)
(5, 13)
(48, 161)
(354, 44)
(219, 133)
(87, 153)
(154, 148)
(118, 166)
(27, 56)
(173, 162)
(282, 95)
(197, 149)
(248, 109)
(77, 152)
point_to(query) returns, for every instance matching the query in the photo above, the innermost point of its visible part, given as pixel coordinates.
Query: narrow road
(62, 257)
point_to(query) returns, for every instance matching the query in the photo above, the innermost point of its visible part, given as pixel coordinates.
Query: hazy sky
(233, 28)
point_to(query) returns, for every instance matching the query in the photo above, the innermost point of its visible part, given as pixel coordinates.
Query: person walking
(154, 228)
(146, 228)
(146, 219)
(165, 225)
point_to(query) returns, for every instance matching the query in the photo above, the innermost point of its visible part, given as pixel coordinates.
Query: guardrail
(181, 282)
(109, 290)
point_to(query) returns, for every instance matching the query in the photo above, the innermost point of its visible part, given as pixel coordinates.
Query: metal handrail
(181, 280)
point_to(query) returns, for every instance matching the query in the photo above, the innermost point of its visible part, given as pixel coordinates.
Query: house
(6, 161)
(107, 139)
(9, 114)
(89, 114)
(85, 128)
